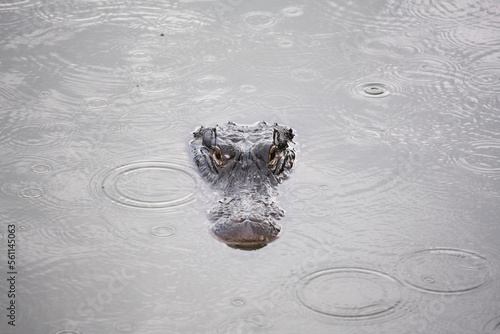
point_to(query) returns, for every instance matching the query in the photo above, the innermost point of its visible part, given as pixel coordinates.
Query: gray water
(392, 216)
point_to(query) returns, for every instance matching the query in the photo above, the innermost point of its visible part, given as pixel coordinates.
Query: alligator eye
(217, 155)
(273, 155)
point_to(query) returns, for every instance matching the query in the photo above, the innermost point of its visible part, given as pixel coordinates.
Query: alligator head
(246, 163)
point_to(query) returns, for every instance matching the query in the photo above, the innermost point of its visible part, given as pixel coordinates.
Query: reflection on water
(391, 211)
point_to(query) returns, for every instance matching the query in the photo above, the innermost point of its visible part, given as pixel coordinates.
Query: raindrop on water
(162, 231)
(238, 301)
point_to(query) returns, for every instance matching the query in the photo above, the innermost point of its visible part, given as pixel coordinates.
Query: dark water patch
(350, 293)
(147, 184)
(442, 270)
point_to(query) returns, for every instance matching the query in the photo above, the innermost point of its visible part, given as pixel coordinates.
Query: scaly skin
(246, 163)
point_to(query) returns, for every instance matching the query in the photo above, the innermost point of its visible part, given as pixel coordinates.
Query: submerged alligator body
(245, 163)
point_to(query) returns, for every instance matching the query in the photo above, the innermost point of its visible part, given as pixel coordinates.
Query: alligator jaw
(246, 234)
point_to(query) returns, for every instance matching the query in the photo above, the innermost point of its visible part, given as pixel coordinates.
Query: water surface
(392, 218)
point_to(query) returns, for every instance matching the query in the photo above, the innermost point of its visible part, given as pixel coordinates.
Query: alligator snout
(246, 232)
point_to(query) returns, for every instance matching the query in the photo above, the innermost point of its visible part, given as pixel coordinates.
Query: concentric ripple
(426, 69)
(41, 169)
(444, 270)
(375, 89)
(440, 11)
(149, 184)
(278, 102)
(248, 323)
(182, 21)
(96, 103)
(259, 20)
(492, 327)
(22, 188)
(292, 11)
(66, 331)
(125, 327)
(80, 231)
(350, 292)
(162, 231)
(485, 78)
(214, 84)
(481, 157)
(36, 136)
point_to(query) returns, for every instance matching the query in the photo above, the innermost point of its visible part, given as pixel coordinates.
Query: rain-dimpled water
(390, 214)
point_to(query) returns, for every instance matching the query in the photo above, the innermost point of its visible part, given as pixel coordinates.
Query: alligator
(245, 163)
